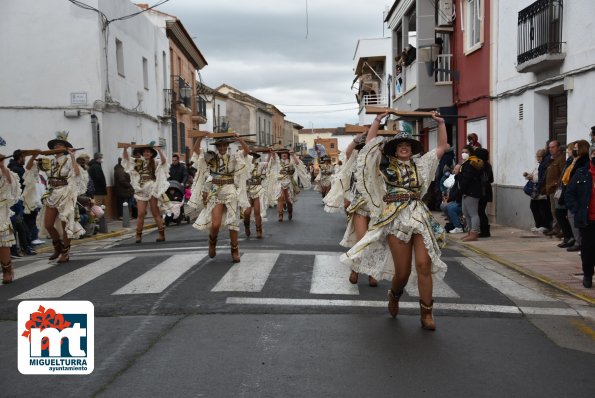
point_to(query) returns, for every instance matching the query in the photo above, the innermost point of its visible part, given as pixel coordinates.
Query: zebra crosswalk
(135, 275)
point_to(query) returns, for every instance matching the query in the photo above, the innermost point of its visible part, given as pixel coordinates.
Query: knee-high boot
(235, 249)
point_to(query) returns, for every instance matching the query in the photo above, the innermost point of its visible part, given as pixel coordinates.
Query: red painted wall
(471, 92)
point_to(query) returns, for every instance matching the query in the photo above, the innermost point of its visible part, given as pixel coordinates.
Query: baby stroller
(175, 193)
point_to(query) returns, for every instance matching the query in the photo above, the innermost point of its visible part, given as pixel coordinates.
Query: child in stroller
(175, 193)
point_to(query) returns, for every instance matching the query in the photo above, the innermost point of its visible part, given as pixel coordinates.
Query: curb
(107, 235)
(532, 274)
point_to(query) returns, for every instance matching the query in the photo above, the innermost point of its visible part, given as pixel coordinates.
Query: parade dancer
(258, 193)
(223, 192)
(148, 178)
(393, 183)
(10, 191)
(344, 195)
(325, 175)
(65, 182)
(286, 187)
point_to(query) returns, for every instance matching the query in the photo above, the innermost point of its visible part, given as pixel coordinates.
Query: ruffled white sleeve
(199, 162)
(31, 198)
(128, 165)
(426, 168)
(242, 170)
(161, 179)
(369, 179)
(274, 186)
(302, 173)
(10, 193)
(334, 200)
(77, 185)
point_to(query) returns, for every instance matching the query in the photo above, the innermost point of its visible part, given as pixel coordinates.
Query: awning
(362, 68)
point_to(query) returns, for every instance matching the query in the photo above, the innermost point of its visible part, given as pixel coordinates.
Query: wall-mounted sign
(78, 98)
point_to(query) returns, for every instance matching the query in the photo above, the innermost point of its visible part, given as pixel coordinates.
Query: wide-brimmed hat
(280, 148)
(61, 138)
(138, 150)
(390, 147)
(222, 141)
(255, 155)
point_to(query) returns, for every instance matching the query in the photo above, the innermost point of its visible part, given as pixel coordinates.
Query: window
(120, 57)
(332, 146)
(145, 73)
(473, 24)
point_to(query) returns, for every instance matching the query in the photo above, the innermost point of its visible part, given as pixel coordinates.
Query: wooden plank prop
(30, 152)
(370, 110)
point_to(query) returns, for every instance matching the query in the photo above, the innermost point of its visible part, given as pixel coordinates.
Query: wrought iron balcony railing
(539, 30)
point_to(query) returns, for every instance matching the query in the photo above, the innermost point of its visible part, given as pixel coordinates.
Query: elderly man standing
(552, 179)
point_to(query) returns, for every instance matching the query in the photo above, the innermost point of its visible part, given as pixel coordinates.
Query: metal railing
(168, 100)
(539, 30)
(374, 99)
(443, 68)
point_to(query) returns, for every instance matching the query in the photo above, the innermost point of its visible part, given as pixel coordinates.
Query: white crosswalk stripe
(161, 276)
(249, 275)
(331, 276)
(32, 268)
(75, 279)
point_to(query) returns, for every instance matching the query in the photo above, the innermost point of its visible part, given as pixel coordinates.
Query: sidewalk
(114, 228)
(534, 255)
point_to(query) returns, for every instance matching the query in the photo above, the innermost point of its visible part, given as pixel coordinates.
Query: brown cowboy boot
(290, 211)
(64, 255)
(247, 227)
(259, 231)
(393, 302)
(212, 246)
(161, 237)
(235, 249)
(139, 235)
(7, 273)
(280, 215)
(57, 243)
(427, 321)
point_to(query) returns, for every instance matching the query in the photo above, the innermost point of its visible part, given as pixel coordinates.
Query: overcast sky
(272, 51)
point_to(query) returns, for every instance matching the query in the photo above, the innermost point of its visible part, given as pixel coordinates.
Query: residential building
(278, 119)
(187, 109)
(372, 67)
(65, 72)
(248, 115)
(542, 78)
(323, 136)
(291, 137)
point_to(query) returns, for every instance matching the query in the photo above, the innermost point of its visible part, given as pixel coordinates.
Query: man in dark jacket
(580, 200)
(122, 187)
(470, 187)
(178, 171)
(96, 175)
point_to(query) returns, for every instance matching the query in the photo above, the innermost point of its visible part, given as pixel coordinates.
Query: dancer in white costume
(10, 191)
(393, 184)
(344, 194)
(286, 188)
(223, 192)
(148, 177)
(66, 180)
(258, 188)
(325, 176)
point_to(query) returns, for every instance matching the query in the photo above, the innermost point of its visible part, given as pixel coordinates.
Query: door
(558, 118)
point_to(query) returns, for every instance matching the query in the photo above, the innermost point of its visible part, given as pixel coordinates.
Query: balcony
(373, 99)
(540, 44)
(168, 99)
(199, 115)
(184, 96)
(424, 85)
(222, 125)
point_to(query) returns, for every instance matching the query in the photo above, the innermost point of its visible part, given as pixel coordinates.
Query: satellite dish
(318, 151)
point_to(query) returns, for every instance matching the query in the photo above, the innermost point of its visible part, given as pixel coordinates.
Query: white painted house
(543, 74)
(62, 70)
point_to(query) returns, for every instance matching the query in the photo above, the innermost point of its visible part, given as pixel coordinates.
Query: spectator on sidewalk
(580, 152)
(21, 221)
(487, 195)
(580, 199)
(469, 180)
(592, 136)
(96, 175)
(178, 171)
(552, 178)
(473, 141)
(452, 203)
(539, 204)
(561, 211)
(122, 188)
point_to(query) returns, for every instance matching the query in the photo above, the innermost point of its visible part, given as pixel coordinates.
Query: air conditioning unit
(445, 12)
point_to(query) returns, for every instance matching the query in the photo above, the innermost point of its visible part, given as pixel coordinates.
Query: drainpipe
(95, 130)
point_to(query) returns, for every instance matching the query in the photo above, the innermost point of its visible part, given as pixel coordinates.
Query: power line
(335, 103)
(333, 111)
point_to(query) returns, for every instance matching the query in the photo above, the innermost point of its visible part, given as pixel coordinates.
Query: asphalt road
(286, 323)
